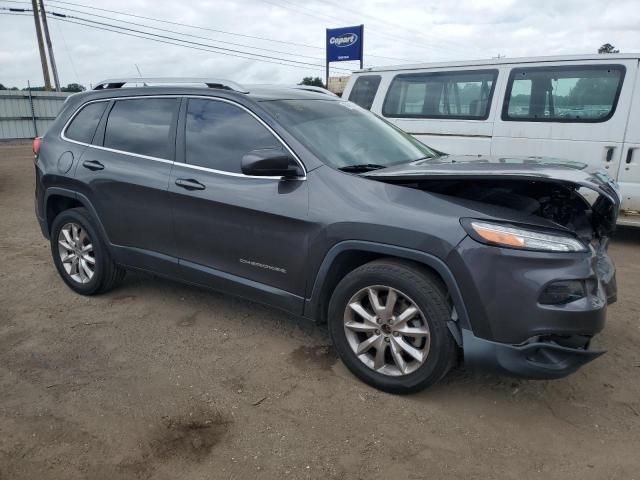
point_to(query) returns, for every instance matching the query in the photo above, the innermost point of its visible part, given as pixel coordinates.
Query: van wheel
(388, 322)
(80, 255)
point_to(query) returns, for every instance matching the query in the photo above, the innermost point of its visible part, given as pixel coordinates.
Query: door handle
(189, 184)
(629, 155)
(93, 165)
(609, 155)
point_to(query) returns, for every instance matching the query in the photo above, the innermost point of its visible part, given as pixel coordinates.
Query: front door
(243, 234)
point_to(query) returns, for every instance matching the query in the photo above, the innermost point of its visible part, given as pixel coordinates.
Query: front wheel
(388, 321)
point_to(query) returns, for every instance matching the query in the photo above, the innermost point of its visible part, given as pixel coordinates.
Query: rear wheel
(388, 321)
(80, 255)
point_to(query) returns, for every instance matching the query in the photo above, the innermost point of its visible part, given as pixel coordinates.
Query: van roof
(504, 61)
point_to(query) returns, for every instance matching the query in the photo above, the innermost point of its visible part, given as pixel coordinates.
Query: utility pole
(43, 56)
(49, 46)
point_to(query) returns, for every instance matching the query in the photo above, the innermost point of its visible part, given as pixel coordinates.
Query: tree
(594, 91)
(314, 82)
(2, 87)
(73, 87)
(608, 48)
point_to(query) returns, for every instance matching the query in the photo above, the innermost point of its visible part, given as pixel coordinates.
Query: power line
(66, 48)
(183, 33)
(166, 37)
(208, 49)
(169, 31)
(183, 24)
(222, 32)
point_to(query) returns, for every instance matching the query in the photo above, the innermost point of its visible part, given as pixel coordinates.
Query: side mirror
(270, 162)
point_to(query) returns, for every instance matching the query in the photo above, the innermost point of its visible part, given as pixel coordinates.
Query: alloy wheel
(387, 330)
(76, 252)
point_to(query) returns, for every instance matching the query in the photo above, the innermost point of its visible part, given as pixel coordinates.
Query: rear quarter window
(364, 90)
(83, 126)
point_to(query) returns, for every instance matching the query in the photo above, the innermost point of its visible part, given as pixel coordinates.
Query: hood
(505, 168)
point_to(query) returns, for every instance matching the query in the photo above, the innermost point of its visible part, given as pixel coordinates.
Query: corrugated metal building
(17, 116)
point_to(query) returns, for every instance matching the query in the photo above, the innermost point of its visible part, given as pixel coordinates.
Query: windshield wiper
(363, 167)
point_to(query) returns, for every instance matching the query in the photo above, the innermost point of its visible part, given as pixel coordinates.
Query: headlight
(513, 237)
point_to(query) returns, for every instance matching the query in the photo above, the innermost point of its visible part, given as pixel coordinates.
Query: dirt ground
(164, 381)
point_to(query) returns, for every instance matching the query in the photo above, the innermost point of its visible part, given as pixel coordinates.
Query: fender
(86, 203)
(312, 304)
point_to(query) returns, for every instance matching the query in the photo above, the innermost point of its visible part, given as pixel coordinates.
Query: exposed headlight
(513, 237)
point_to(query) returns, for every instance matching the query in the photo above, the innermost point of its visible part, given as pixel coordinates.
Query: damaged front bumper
(512, 330)
(540, 358)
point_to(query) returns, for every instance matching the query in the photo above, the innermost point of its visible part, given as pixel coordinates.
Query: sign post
(343, 45)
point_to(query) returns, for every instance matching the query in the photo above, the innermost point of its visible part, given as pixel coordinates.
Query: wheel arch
(57, 200)
(348, 255)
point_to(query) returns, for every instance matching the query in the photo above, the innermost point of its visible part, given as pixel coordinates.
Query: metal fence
(25, 114)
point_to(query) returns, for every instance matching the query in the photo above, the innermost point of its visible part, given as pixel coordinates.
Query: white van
(584, 108)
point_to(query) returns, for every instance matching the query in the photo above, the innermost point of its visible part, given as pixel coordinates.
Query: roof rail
(209, 82)
(311, 88)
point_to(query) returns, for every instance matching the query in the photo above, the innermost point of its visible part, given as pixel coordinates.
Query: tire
(415, 288)
(105, 273)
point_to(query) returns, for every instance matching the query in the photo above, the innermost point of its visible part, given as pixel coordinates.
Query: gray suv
(297, 199)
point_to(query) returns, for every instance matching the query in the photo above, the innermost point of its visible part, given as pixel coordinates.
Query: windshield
(342, 134)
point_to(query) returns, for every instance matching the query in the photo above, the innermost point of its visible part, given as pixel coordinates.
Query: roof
(504, 61)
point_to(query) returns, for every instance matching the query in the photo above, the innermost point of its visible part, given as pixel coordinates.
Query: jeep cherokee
(311, 204)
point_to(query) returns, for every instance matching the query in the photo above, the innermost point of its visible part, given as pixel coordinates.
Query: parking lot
(164, 381)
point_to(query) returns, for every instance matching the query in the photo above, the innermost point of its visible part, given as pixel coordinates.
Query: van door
(568, 110)
(629, 171)
(449, 110)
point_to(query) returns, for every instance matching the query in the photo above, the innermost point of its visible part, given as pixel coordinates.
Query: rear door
(236, 232)
(629, 171)
(125, 175)
(569, 110)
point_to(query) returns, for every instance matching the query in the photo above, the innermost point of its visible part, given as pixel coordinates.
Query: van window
(143, 126)
(364, 90)
(457, 95)
(84, 124)
(563, 94)
(218, 135)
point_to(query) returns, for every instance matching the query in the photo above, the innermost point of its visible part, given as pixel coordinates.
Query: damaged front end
(538, 295)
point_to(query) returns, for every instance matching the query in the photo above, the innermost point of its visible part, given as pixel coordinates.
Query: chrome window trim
(184, 164)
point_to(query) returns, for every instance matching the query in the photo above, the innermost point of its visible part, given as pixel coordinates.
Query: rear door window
(83, 126)
(218, 135)
(563, 94)
(364, 90)
(143, 126)
(455, 95)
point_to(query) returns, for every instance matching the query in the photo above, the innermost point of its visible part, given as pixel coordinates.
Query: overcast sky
(396, 32)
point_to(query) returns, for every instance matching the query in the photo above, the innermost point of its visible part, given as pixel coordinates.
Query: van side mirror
(270, 162)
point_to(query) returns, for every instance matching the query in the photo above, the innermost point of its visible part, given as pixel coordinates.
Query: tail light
(36, 145)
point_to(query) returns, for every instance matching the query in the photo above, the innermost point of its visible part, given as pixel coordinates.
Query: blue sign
(344, 44)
